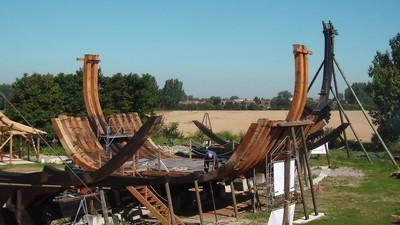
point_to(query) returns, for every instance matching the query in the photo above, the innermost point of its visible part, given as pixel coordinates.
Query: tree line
(39, 97)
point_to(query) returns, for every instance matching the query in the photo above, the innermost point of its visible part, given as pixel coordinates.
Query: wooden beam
(235, 209)
(198, 200)
(292, 123)
(170, 205)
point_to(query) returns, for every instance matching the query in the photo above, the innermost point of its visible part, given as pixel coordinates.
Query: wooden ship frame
(114, 154)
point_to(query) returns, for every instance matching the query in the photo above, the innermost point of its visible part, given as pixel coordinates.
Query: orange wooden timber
(78, 135)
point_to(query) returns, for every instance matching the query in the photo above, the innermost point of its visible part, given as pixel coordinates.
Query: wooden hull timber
(79, 136)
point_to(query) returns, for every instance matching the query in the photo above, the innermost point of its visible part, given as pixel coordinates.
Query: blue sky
(220, 48)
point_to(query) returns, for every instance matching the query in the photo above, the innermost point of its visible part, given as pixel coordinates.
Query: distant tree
(37, 98)
(172, 93)
(229, 105)
(385, 90)
(215, 100)
(8, 91)
(282, 101)
(362, 93)
(115, 94)
(71, 93)
(252, 106)
(234, 97)
(144, 93)
(129, 93)
(257, 100)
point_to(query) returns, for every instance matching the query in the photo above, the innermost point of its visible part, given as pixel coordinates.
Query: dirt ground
(239, 121)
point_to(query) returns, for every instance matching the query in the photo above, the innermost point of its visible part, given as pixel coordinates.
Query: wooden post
(170, 205)
(304, 164)
(298, 165)
(235, 210)
(250, 189)
(256, 199)
(366, 117)
(351, 127)
(213, 201)
(286, 183)
(198, 200)
(20, 147)
(309, 171)
(341, 116)
(11, 149)
(104, 207)
(38, 149)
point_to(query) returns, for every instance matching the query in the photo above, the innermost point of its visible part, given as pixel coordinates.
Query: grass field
(370, 200)
(28, 168)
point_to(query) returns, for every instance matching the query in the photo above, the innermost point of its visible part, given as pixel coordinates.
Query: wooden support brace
(198, 200)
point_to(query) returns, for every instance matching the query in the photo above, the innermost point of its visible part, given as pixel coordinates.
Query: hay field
(239, 121)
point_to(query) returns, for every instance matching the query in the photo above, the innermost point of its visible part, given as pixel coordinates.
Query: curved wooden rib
(262, 138)
(79, 141)
(300, 92)
(119, 122)
(90, 85)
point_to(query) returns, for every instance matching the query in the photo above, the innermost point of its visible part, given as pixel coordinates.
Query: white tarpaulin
(276, 216)
(279, 177)
(321, 150)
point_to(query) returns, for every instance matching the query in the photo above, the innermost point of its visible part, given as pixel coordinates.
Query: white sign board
(321, 150)
(276, 216)
(279, 177)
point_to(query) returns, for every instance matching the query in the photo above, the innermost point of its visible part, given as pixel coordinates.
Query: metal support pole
(213, 201)
(235, 210)
(346, 143)
(351, 127)
(298, 165)
(303, 137)
(170, 205)
(104, 207)
(365, 115)
(198, 200)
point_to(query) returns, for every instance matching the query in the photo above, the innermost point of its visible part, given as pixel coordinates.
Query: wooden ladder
(154, 204)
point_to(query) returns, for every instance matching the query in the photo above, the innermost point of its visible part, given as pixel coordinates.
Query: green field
(368, 200)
